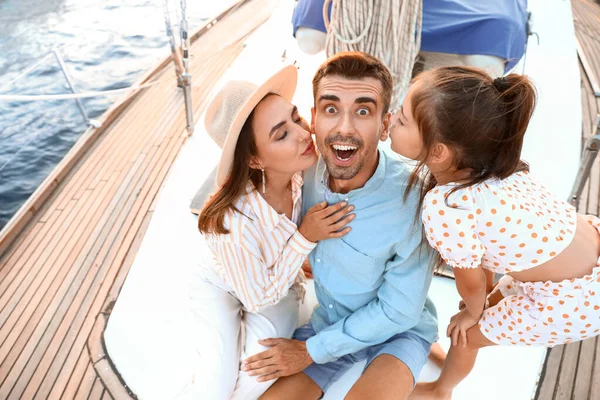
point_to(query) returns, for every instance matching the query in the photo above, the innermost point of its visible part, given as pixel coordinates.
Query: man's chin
(340, 172)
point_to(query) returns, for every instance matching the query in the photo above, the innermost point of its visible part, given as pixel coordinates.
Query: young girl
(484, 213)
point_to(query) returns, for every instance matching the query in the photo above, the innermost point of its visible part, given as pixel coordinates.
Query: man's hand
(285, 357)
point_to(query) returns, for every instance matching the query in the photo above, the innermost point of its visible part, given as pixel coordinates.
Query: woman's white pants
(224, 335)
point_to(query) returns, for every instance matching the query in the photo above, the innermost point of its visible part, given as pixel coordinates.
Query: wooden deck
(68, 250)
(572, 372)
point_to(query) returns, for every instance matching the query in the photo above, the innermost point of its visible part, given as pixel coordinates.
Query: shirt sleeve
(256, 284)
(398, 307)
(450, 227)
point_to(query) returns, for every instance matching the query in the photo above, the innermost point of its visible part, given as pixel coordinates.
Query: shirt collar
(370, 186)
(263, 211)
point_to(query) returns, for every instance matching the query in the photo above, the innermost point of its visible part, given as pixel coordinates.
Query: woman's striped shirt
(261, 257)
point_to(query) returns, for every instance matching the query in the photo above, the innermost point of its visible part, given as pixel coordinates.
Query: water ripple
(106, 44)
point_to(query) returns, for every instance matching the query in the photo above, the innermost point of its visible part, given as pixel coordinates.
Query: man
(371, 284)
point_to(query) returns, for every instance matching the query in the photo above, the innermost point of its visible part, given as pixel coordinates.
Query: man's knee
(387, 377)
(297, 386)
(393, 367)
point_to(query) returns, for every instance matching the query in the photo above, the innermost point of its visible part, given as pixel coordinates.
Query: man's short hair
(356, 65)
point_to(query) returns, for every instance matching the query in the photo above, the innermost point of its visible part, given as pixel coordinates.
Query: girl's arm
(472, 287)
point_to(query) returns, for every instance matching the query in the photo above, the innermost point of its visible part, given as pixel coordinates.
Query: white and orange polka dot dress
(512, 225)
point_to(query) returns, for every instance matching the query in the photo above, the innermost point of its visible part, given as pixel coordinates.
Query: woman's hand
(323, 222)
(459, 325)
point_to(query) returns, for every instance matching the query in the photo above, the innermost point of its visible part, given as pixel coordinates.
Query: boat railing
(61, 63)
(585, 166)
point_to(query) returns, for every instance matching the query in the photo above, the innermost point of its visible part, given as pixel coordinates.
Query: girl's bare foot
(429, 391)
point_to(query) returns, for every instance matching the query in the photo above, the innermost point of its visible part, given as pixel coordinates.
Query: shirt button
(331, 306)
(318, 260)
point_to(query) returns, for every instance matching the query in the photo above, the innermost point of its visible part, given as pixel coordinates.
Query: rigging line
(45, 97)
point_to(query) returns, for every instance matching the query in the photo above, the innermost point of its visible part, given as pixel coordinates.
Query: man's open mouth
(344, 152)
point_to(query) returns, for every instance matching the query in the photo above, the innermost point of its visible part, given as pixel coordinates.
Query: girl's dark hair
(212, 216)
(482, 120)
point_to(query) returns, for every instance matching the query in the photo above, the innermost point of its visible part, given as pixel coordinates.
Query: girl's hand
(323, 222)
(462, 305)
(459, 325)
(307, 269)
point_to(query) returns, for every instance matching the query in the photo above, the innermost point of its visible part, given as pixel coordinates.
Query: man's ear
(312, 120)
(387, 121)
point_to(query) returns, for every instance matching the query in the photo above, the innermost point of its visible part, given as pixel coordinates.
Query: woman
(253, 233)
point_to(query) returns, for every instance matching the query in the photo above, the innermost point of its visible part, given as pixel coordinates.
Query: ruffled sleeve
(450, 225)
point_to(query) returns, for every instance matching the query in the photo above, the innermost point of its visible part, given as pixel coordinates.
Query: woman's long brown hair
(212, 216)
(482, 120)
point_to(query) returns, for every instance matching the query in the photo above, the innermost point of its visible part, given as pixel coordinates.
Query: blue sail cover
(487, 27)
(309, 14)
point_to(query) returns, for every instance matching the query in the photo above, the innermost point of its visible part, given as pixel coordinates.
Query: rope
(389, 30)
(45, 97)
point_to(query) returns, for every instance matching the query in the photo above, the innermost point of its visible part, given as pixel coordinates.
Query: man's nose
(345, 124)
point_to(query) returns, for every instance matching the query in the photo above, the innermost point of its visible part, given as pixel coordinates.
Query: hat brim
(282, 83)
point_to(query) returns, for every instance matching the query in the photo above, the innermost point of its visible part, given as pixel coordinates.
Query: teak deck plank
(585, 368)
(84, 389)
(550, 374)
(75, 377)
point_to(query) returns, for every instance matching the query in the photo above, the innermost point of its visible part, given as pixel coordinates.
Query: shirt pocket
(358, 269)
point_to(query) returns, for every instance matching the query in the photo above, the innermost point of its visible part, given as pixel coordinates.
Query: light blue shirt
(372, 283)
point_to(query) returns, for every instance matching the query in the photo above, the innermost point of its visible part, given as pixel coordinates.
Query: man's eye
(363, 111)
(330, 110)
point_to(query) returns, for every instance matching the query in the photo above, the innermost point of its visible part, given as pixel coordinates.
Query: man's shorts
(407, 347)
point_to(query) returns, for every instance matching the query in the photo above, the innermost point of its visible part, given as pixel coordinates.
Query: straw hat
(231, 106)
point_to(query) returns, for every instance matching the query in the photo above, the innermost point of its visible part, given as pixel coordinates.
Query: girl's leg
(277, 321)
(216, 325)
(489, 280)
(505, 287)
(437, 355)
(458, 365)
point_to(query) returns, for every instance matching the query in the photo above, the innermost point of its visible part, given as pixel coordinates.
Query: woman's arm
(259, 285)
(256, 284)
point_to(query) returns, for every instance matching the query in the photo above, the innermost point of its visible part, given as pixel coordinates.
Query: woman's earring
(264, 186)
